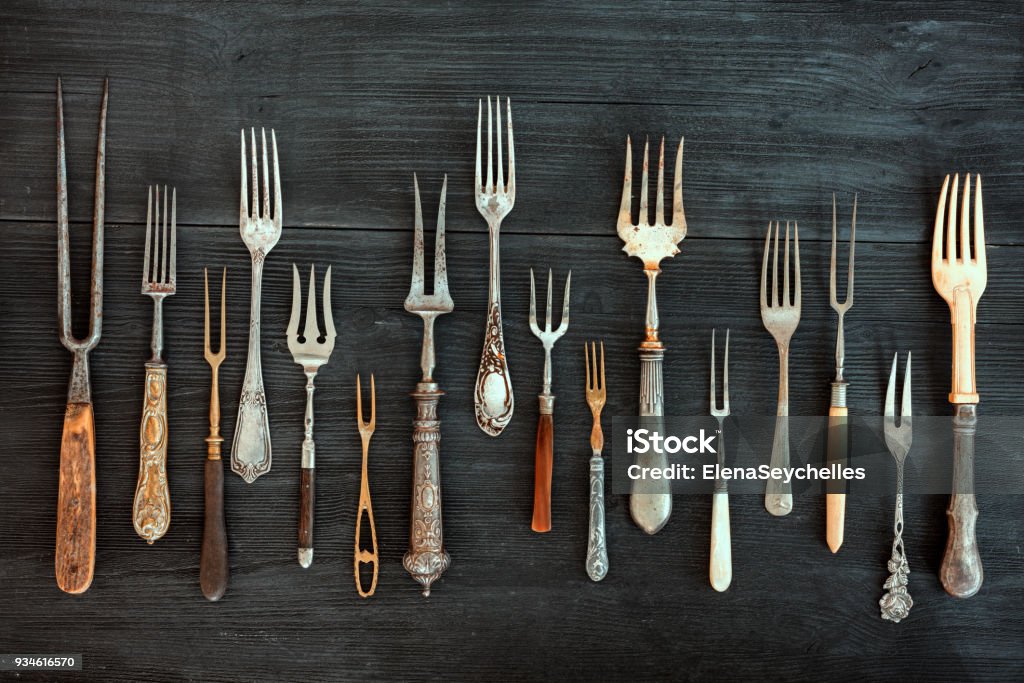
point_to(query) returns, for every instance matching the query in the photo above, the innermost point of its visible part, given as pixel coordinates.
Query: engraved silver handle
(597, 548)
(650, 500)
(896, 602)
(493, 396)
(961, 571)
(778, 497)
(250, 447)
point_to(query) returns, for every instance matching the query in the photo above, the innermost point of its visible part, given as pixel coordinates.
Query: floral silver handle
(597, 548)
(250, 448)
(896, 602)
(493, 396)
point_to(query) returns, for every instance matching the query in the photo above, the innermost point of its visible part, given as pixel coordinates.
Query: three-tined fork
(597, 395)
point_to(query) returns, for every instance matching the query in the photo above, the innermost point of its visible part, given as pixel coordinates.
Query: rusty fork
(365, 505)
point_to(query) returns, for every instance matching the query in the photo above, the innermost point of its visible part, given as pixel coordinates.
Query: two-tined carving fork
(720, 571)
(366, 430)
(213, 560)
(597, 543)
(151, 513)
(896, 602)
(309, 352)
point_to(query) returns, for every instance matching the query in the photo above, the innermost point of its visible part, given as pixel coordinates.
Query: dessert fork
(366, 430)
(544, 454)
(720, 571)
(213, 559)
(151, 513)
(896, 602)
(311, 354)
(960, 277)
(493, 394)
(597, 547)
(780, 318)
(650, 502)
(250, 449)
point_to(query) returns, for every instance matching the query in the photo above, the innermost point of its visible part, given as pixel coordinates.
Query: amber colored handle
(542, 473)
(961, 571)
(307, 503)
(213, 560)
(76, 500)
(366, 556)
(835, 503)
(151, 513)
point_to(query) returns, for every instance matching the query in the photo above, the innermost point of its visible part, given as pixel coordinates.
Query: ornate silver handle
(597, 549)
(151, 513)
(778, 496)
(493, 394)
(961, 571)
(896, 602)
(250, 447)
(650, 500)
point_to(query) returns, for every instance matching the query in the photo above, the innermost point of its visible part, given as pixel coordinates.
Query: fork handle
(76, 500)
(597, 544)
(720, 571)
(251, 454)
(213, 559)
(365, 556)
(307, 480)
(544, 464)
(961, 570)
(151, 512)
(838, 450)
(650, 500)
(962, 310)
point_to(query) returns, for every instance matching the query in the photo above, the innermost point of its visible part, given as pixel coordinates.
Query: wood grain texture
(542, 470)
(781, 103)
(214, 568)
(76, 501)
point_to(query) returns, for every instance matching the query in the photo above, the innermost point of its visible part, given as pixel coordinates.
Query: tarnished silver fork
(780, 318)
(309, 352)
(151, 513)
(493, 396)
(261, 229)
(896, 602)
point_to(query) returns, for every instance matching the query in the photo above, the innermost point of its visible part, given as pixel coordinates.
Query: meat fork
(213, 559)
(76, 499)
(151, 513)
(780, 318)
(311, 354)
(544, 455)
(721, 537)
(366, 430)
(896, 602)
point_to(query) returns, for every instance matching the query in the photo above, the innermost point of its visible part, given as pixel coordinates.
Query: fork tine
(833, 300)
(149, 227)
(644, 218)
(244, 208)
(359, 403)
(786, 295)
(254, 209)
(500, 189)
(905, 411)
(678, 215)
(329, 331)
(626, 205)
(764, 267)
(155, 263)
(511, 191)
(714, 392)
(533, 305)
(563, 325)
(266, 178)
(775, 267)
(206, 311)
(416, 288)
(890, 392)
(311, 331)
(725, 374)
(293, 322)
(603, 385)
(479, 142)
(547, 307)
(979, 225)
(223, 313)
(965, 222)
(440, 266)
(490, 135)
(373, 402)
(163, 243)
(796, 264)
(951, 221)
(278, 211)
(659, 202)
(591, 372)
(853, 243)
(174, 232)
(940, 219)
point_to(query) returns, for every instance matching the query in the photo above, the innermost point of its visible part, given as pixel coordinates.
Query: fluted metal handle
(650, 500)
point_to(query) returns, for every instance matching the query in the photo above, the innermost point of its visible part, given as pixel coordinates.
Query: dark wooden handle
(542, 474)
(213, 560)
(307, 500)
(76, 500)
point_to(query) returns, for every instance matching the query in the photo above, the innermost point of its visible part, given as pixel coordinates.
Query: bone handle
(76, 500)
(597, 546)
(543, 466)
(650, 500)
(835, 503)
(151, 513)
(962, 309)
(961, 570)
(720, 571)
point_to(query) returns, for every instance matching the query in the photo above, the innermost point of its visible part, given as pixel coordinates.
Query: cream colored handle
(721, 543)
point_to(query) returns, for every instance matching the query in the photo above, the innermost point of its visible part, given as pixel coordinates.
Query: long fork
(311, 354)
(75, 556)
(780, 318)
(720, 568)
(250, 449)
(365, 505)
(427, 559)
(493, 396)
(151, 513)
(896, 602)
(544, 453)
(597, 546)
(960, 277)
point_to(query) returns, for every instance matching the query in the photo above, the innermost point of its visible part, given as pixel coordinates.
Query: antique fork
(427, 559)
(493, 394)
(960, 278)
(250, 448)
(651, 501)
(780, 318)
(151, 513)
(213, 559)
(544, 453)
(597, 546)
(311, 354)
(721, 537)
(75, 557)
(896, 602)
(835, 503)
(365, 505)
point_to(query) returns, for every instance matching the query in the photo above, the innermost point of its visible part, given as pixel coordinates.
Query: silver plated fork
(896, 602)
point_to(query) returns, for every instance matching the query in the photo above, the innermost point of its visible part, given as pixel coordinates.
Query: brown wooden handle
(835, 503)
(542, 473)
(76, 500)
(213, 560)
(307, 503)
(151, 513)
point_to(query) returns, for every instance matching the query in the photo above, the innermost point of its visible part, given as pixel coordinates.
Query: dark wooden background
(781, 104)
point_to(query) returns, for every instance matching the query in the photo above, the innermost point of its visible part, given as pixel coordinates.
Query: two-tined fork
(720, 568)
(427, 559)
(493, 394)
(366, 430)
(544, 453)
(780, 318)
(650, 502)
(213, 560)
(959, 275)
(250, 448)
(311, 354)
(597, 546)
(151, 513)
(896, 602)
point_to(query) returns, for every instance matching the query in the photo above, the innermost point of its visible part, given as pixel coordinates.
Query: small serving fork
(650, 502)
(311, 354)
(544, 455)
(493, 394)
(896, 602)
(151, 513)
(960, 276)
(366, 430)
(780, 318)
(427, 559)
(720, 571)
(250, 449)
(597, 547)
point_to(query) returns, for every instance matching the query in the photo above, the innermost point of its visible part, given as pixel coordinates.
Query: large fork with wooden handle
(650, 502)
(151, 513)
(76, 498)
(959, 275)
(213, 559)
